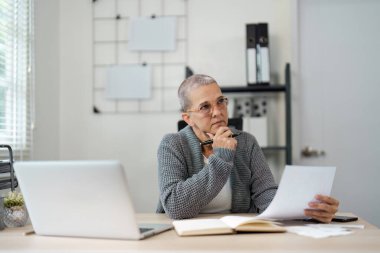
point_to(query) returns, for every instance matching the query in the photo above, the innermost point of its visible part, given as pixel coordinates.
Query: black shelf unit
(283, 88)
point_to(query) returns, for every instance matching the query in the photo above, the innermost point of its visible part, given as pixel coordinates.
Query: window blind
(16, 77)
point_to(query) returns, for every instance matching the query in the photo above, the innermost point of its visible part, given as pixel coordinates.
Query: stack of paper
(319, 231)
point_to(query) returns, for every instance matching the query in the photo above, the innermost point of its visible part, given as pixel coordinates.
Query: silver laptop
(81, 198)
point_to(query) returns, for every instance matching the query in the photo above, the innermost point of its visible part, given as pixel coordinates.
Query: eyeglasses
(206, 108)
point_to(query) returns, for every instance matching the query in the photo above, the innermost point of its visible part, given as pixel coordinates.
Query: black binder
(251, 54)
(257, 54)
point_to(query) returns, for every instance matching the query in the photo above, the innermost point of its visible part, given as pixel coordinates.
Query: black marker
(211, 141)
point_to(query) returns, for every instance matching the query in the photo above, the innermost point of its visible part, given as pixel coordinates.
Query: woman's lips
(221, 122)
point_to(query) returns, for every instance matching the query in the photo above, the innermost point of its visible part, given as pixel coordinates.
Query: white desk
(362, 240)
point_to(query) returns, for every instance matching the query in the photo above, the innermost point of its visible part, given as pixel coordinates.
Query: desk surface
(362, 240)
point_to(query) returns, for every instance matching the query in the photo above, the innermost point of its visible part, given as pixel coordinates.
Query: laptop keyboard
(143, 230)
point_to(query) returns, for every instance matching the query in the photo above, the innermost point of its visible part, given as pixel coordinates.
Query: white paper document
(298, 186)
(318, 232)
(152, 34)
(129, 81)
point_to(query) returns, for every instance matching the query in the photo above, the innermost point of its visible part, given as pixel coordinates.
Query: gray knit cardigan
(187, 184)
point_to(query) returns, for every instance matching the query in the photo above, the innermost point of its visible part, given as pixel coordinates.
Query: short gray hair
(189, 84)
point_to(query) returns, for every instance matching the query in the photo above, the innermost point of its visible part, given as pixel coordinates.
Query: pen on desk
(211, 141)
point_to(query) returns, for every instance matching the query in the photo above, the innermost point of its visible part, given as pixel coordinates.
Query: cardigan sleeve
(181, 195)
(263, 186)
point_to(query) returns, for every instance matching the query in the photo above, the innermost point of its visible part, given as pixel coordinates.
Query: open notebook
(81, 198)
(225, 225)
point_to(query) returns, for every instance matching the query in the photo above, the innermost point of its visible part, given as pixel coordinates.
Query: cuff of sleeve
(225, 153)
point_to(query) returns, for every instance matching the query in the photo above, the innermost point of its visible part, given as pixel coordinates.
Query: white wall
(46, 133)
(217, 37)
(66, 126)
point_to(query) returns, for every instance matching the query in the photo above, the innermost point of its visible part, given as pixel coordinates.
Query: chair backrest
(234, 122)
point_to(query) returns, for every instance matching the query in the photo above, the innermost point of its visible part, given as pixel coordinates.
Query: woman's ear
(186, 117)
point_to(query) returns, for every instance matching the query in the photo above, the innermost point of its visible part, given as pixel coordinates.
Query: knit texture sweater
(187, 184)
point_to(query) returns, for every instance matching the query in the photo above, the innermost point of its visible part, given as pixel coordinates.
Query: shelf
(8, 179)
(274, 88)
(254, 88)
(5, 167)
(6, 183)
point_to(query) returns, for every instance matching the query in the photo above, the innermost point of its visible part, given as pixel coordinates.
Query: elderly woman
(228, 175)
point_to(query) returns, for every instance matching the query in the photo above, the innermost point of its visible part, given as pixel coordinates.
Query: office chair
(234, 122)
